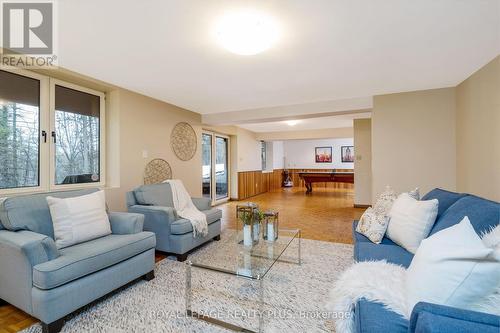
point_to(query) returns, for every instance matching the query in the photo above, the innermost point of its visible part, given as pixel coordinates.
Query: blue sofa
(173, 233)
(50, 283)
(372, 317)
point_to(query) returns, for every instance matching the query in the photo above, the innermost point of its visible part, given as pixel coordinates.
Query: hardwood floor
(326, 215)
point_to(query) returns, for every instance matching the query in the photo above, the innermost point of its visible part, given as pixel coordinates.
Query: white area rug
(295, 297)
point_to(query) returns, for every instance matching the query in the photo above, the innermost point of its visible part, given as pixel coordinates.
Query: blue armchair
(173, 233)
(50, 283)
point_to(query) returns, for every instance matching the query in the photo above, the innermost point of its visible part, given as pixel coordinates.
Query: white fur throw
(376, 281)
(383, 282)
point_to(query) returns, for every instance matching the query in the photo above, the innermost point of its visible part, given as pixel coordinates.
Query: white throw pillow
(79, 219)
(452, 267)
(411, 221)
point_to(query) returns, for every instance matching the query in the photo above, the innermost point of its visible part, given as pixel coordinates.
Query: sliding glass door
(206, 147)
(215, 169)
(221, 168)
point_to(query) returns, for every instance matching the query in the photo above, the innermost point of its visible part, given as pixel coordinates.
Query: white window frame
(213, 183)
(43, 149)
(102, 138)
(46, 162)
(216, 201)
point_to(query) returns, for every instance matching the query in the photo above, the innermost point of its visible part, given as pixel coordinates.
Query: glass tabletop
(232, 257)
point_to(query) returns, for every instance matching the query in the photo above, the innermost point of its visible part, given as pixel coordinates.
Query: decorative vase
(247, 235)
(270, 226)
(249, 216)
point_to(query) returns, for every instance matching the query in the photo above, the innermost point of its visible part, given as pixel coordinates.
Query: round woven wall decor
(183, 141)
(157, 171)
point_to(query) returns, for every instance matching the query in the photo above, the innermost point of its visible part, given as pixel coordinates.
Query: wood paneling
(251, 183)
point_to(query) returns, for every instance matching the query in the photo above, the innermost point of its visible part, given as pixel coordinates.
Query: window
(263, 155)
(51, 134)
(77, 123)
(19, 128)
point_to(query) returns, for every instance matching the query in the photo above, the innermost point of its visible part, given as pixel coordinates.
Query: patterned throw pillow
(372, 225)
(415, 194)
(374, 221)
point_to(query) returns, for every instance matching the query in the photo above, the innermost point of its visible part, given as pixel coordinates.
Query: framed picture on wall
(323, 154)
(347, 154)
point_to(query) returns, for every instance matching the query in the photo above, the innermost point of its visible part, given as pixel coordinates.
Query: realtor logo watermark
(28, 34)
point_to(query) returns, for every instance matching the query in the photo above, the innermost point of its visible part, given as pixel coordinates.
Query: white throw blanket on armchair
(186, 209)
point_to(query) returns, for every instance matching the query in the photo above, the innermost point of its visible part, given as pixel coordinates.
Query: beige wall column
(363, 162)
(414, 141)
(478, 132)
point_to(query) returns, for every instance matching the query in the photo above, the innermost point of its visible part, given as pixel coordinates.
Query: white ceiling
(330, 49)
(307, 124)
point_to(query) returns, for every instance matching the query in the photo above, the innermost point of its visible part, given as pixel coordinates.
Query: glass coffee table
(232, 258)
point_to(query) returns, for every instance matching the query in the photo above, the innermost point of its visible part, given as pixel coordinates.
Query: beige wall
(478, 132)
(363, 162)
(413, 141)
(248, 150)
(145, 124)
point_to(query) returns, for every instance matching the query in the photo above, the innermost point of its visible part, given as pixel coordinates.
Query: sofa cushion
(368, 251)
(82, 259)
(372, 317)
(482, 214)
(154, 195)
(31, 212)
(184, 226)
(445, 198)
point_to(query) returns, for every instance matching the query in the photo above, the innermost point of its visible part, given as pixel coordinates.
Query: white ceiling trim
(289, 112)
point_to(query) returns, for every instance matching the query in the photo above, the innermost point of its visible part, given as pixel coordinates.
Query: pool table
(322, 177)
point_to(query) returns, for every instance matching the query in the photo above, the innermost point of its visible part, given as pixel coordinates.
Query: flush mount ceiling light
(246, 32)
(292, 122)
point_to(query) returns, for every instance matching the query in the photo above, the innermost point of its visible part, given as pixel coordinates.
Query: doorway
(215, 169)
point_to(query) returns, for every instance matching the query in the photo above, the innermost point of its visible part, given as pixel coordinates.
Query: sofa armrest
(126, 223)
(427, 317)
(36, 248)
(20, 251)
(167, 214)
(202, 203)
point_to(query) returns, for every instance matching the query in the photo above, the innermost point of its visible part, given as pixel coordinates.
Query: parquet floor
(326, 215)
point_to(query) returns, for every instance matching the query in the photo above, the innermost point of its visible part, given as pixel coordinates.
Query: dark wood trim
(361, 206)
